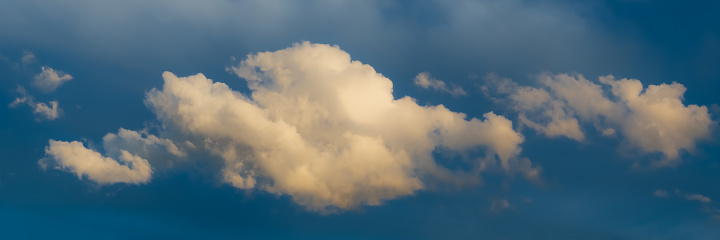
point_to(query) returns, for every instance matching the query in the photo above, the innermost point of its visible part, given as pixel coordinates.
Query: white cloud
(660, 193)
(49, 79)
(73, 157)
(327, 130)
(49, 111)
(426, 81)
(652, 119)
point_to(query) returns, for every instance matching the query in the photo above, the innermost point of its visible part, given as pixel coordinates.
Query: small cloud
(22, 99)
(608, 132)
(426, 81)
(27, 58)
(50, 79)
(706, 203)
(690, 196)
(50, 111)
(660, 193)
(75, 158)
(697, 197)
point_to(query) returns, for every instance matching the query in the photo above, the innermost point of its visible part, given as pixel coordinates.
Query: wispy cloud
(698, 197)
(49, 111)
(686, 196)
(707, 205)
(660, 193)
(426, 81)
(499, 205)
(27, 58)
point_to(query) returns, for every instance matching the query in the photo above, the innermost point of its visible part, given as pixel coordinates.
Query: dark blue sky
(117, 51)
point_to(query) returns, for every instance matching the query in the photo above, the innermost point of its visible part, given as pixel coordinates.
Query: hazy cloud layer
(652, 119)
(468, 33)
(327, 130)
(49, 79)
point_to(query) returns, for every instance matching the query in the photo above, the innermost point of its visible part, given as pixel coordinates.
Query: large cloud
(327, 130)
(652, 119)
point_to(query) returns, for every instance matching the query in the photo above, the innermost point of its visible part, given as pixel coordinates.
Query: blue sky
(523, 119)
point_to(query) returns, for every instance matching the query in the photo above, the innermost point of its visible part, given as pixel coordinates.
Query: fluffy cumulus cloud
(75, 158)
(49, 79)
(426, 81)
(317, 126)
(327, 130)
(127, 159)
(49, 111)
(652, 119)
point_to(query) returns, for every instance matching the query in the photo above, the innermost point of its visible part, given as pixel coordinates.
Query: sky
(486, 119)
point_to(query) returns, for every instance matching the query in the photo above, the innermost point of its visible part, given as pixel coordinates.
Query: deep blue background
(116, 51)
